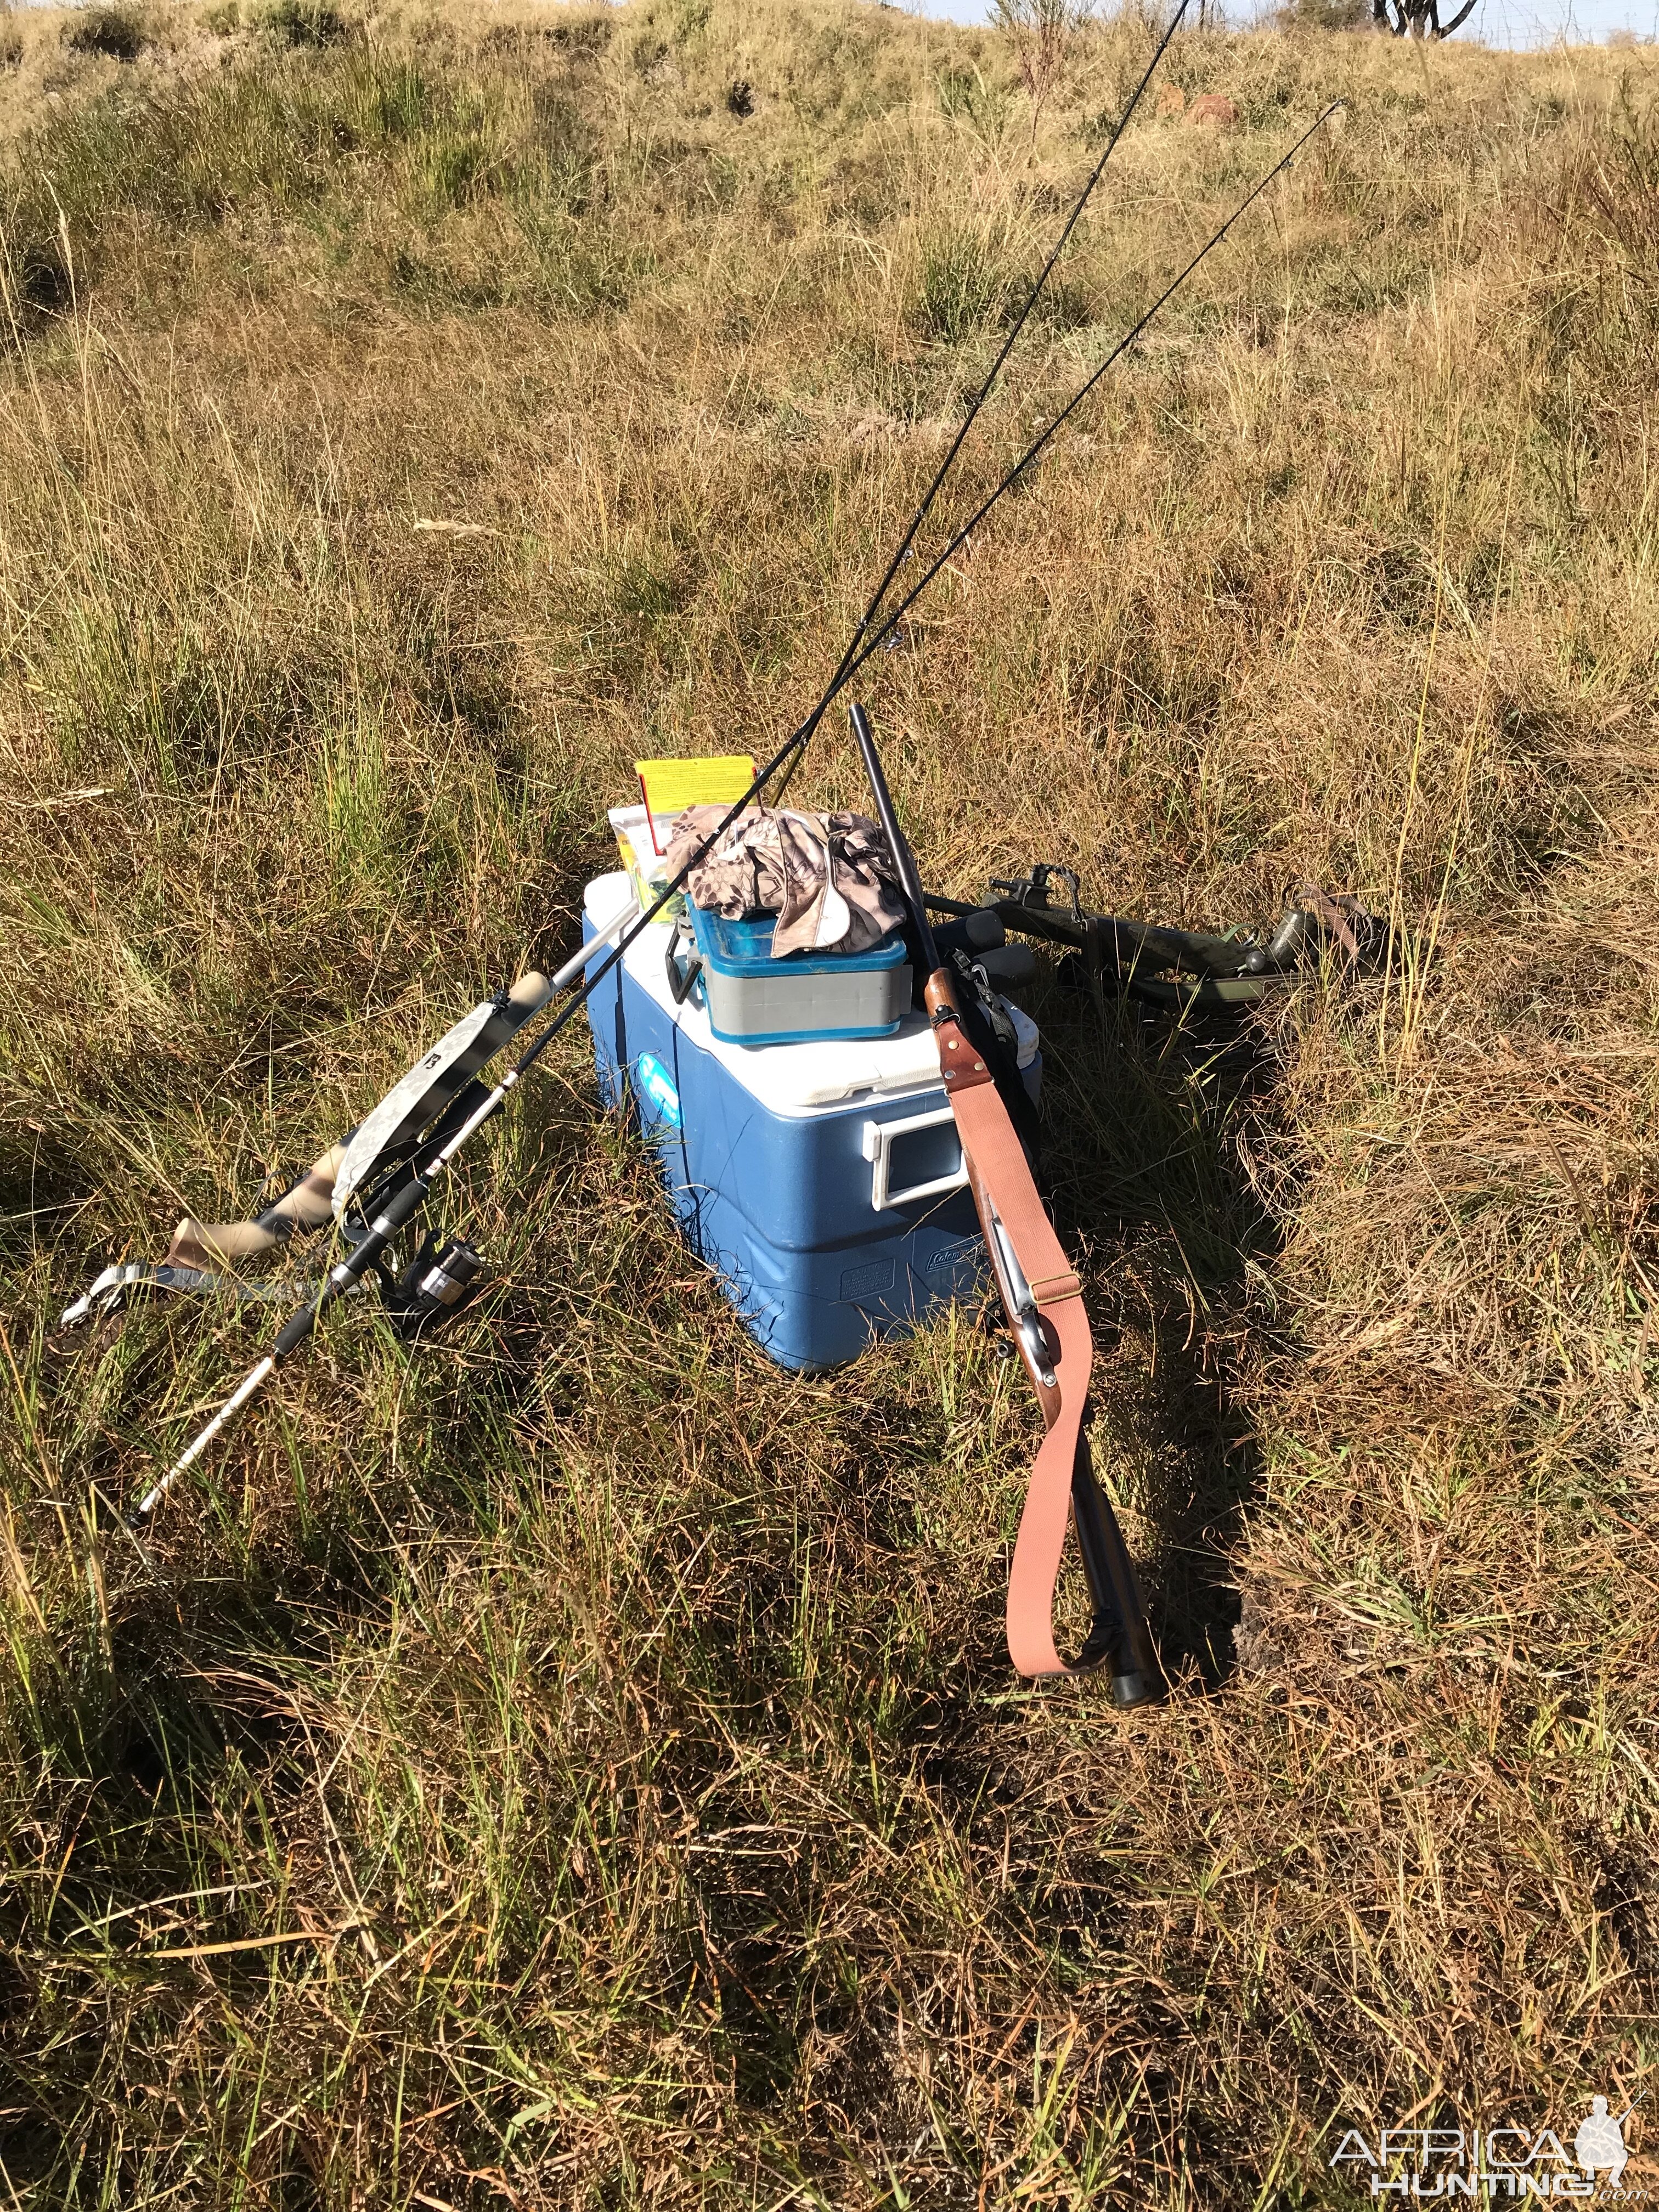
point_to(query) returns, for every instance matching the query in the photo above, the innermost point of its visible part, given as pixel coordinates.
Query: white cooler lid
(790, 1078)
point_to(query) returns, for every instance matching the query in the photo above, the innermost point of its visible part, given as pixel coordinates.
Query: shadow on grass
(1142, 1119)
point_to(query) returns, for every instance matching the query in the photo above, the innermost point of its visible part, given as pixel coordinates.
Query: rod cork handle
(305, 1205)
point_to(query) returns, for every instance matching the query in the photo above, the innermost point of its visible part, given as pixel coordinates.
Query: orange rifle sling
(998, 1170)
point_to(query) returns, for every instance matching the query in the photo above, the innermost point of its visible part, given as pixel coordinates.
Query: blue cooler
(823, 1181)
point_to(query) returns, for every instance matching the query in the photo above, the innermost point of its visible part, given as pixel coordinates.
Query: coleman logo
(1455, 2163)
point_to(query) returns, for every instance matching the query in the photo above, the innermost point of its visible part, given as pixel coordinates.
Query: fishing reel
(436, 1285)
(444, 1275)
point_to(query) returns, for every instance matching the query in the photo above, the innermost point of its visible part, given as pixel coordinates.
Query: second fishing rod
(874, 628)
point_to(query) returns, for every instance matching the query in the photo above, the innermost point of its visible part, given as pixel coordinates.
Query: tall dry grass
(576, 1763)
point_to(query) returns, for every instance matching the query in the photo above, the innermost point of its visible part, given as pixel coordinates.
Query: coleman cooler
(822, 1181)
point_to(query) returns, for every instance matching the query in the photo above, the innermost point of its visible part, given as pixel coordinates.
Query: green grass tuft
(963, 284)
(306, 23)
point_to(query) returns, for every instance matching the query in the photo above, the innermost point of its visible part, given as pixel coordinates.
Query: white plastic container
(647, 870)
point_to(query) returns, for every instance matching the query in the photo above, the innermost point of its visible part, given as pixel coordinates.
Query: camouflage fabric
(829, 878)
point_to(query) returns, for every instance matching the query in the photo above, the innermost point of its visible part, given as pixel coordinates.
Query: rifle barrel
(903, 859)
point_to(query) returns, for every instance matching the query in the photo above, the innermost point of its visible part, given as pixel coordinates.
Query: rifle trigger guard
(1020, 1304)
(1034, 1339)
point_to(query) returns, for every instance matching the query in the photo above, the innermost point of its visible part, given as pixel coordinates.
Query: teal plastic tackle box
(822, 1181)
(754, 1000)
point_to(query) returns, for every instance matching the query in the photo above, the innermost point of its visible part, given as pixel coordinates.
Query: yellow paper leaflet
(669, 787)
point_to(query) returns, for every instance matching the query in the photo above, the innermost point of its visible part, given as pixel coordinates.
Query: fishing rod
(404, 1203)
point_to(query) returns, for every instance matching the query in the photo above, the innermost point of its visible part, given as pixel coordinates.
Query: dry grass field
(573, 1763)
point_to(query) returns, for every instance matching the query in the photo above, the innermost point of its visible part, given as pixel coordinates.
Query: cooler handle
(879, 1138)
(681, 977)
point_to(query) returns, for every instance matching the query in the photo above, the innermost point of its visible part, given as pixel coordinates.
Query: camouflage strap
(113, 1287)
(416, 1103)
(205, 1258)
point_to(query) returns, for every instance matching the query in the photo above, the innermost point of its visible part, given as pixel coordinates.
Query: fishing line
(1038, 443)
(404, 1203)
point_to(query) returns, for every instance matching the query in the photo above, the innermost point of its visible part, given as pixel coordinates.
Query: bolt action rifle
(1043, 1299)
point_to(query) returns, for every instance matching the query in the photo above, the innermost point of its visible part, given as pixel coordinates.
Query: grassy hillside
(574, 1764)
